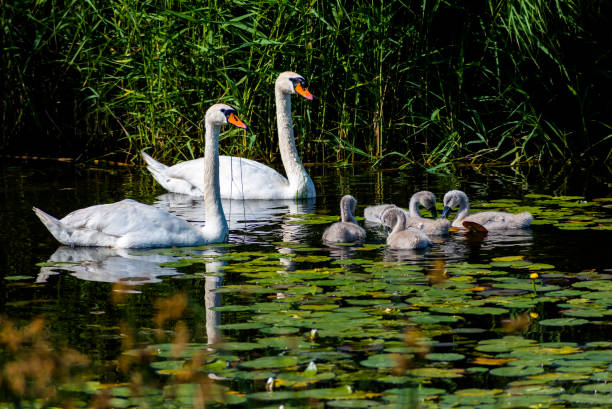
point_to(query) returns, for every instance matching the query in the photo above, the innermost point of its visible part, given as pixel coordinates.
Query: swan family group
(130, 224)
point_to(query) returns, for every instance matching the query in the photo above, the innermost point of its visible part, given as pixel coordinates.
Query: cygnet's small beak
(445, 212)
(434, 212)
(234, 120)
(303, 91)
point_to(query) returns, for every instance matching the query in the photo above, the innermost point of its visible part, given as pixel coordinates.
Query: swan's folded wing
(122, 218)
(245, 178)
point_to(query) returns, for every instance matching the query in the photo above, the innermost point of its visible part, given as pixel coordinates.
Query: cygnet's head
(452, 200)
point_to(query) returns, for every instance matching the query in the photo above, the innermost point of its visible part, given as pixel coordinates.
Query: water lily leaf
(272, 396)
(381, 361)
(598, 388)
(279, 330)
(444, 356)
(352, 403)
(236, 346)
(232, 308)
(433, 319)
(589, 398)
(17, 278)
(241, 326)
(508, 258)
(511, 371)
(267, 362)
(437, 372)
(561, 322)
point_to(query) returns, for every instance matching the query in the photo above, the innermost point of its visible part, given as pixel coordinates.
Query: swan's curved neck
(464, 209)
(215, 229)
(299, 180)
(346, 213)
(400, 222)
(413, 207)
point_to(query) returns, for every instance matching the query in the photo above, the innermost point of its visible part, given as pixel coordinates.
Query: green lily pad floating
(18, 278)
(285, 342)
(528, 286)
(241, 326)
(268, 362)
(433, 319)
(437, 372)
(232, 308)
(311, 219)
(352, 403)
(272, 396)
(562, 322)
(311, 259)
(504, 344)
(381, 361)
(279, 330)
(444, 357)
(236, 346)
(588, 398)
(598, 388)
(511, 371)
(319, 307)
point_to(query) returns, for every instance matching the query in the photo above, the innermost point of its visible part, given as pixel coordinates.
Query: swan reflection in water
(133, 268)
(253, 218)
(108, 265)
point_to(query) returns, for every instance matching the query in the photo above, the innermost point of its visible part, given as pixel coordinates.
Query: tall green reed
(425, 82)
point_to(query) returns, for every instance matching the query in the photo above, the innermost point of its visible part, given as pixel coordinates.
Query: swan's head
(393, 217)
(292, 83)
(428, 200)
(453, 199)
(349, 203)
(222, 114)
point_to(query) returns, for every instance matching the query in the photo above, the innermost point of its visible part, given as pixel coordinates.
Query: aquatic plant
(424, 82)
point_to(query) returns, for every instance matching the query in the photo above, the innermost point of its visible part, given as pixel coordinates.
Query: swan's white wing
(239, 178)
(242, 178)
(129, 224)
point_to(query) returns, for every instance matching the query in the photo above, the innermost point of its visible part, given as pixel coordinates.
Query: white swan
(402, 237)
(490, 220)
(130, 224)
(414, 219)
(347, 230)
(244, 178)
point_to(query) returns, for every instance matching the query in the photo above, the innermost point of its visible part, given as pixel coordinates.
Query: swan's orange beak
(234, 120)
(303, 91)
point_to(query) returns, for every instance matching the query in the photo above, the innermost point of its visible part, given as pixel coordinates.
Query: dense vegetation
(413, 81)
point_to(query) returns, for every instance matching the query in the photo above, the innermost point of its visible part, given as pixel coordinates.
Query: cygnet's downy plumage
(414, 219)
(347, 230)
(402, 237)
(491, 220)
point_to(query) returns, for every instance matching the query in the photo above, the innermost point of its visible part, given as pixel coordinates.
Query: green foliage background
(425, 81)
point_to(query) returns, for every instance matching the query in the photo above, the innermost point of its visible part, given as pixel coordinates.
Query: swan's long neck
(413, 207)
(299, 180)
(215, 229)
(346, 213)
(400, 223)
(464, 209)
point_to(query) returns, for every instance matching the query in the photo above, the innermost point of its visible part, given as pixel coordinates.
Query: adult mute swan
(414, 219)
(402, 237)
(347, 230)
(130, 224)
(242, 178)
(490, 220)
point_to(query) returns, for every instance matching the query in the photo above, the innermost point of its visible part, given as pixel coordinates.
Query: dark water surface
(377, 312)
